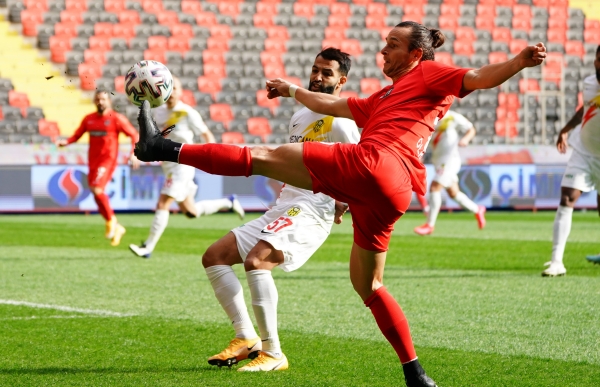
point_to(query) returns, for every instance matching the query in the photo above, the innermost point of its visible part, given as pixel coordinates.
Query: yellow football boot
(265, 362)
(238, 350)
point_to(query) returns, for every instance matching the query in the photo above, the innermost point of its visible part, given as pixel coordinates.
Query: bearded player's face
(102, 102)
(597, 64)
(325, 76)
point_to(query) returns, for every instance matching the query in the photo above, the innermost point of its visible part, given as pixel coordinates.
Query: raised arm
(321, 103)
(561, 143)
(493, 75)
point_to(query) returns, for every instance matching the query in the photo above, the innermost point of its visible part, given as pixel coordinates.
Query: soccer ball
(148, 80)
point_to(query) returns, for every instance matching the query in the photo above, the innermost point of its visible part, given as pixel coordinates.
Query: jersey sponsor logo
(68, 187)
(97, 133)
(387, 93)
(315, 131)
(294, 211)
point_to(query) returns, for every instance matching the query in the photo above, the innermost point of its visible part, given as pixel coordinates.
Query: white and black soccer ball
(148, 80)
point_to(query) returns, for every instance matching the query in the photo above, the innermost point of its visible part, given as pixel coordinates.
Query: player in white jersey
(179, 185)
(446, 160)
(583, 169)
(285, 236)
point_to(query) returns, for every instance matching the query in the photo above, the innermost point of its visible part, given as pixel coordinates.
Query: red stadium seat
(465, 34)
(574, 47)
(59, 46)
(507, 114)
(167, 18)
(331, 43)
(30, 20)
(275, 45)
(36, 5)
(48, 129)
(517, 45)
(213, 57)
(187, 97)
(259, 126)
(191, 6)
(416, 17)
(263, 20)
(217, 44)
(88, 73)
(528, 85)
(273, 70)
(377, 9)
(152, 6)
(123, 30)
(209, 85)
(293, 80)
(444, 57)
(553, 67)
(506, 129)
(232, 138)
(379, 60)
(65, 29)
(120, 84)
(374, 22)
(559, 3)
(17, 99)
(414, 8)
(352, 47)
(383, 32)
(501, 34)
(591, 24)
(591, 36)
(206, 19)
(182, 30)
(463, 47)
(485, 23)
(484, 10)
(521, 11)
(557, 23)
(99, 43)
(523, 24)
(335, 33)
(1, 114)
(220, 31)
(215, 70)
(76, 5)
(229, 8)
(369, 85)
(278, 32)
(497, 57)
(557, 35)
(559, 12)
(338, 21)
(448, 22)
(114, 6)
(349, 94)
(267, 8)
(69, 16)
(263, 101)
(541, 3)
(450, 10)
(129, 16)
(271, 57)
(304, 10)
(340, 9)
(179, 43)
(158, 43)
(509, 100)
(220, 112)
(103, 29)
(156, 54)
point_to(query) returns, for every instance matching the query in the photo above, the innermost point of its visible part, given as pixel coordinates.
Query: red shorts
(372, 180)
(101, 173)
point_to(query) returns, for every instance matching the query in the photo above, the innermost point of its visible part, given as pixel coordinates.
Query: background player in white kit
(446, 160)
(583, 169)
(179, 183)
(285, 236)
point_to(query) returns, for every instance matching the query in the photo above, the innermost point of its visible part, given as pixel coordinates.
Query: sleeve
(196, 122)
(462, 123)
(361, 109)
(79, 132)
(125, 127)
(443, 80)
(345, 131)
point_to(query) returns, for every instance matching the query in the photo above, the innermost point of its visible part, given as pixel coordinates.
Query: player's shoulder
(591, 82)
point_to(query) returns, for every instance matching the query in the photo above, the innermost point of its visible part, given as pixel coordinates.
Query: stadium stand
(223, 52)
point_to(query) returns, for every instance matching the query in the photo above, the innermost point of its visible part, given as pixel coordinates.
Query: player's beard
(322, 88)
(598, 75)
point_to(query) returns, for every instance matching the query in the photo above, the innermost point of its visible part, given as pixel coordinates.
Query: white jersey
(187, 122)
(590, 124)
(305, 126)
(448, 132)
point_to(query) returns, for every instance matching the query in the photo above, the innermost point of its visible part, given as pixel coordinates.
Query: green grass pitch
(480, 313)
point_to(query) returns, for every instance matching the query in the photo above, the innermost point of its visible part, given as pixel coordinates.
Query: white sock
(562, 229)
(159, 223)
(435, 203)
(230, 295)
(207, 207)
(264, 303)
(465, 202)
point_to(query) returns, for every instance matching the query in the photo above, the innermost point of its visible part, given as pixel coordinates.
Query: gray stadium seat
(278, 138)
(172, 5)
(191, 70)
(356, 9)
(432, 9)
(503, 21)
(85, 30)
(321, 9)
(245, 98)
(119, 44)
(254, 71)
(6, 84)
(139, 43)
(203, 99)
(259, 111)
(193, 57)
(519, 34)
(285, 112)
(215, 126)
(298, 21)
(319, 21)
(461, 60)
(279, 125)
(148, 18)
(466, 21)
(143, 30)
(314, 34)
(160, 30)
(234, 70)
(7, 127)
(225, 19)
(251, 84)
(481, 46)
(27, 126)
(186, 18)
(430, 21)
(575, 35)
(188, 83)
(3, 97)
(116, 57)
(244, 20)
(111, 70)
(468, 112)
(52, 17)
(230, 84)
(294, 45)
(34, 113)
(555, 47)
(133, 5)
(468, 10)
(238, 126)
(241, 112)
(225, 97)
(203, 110)
(11, 113)
(201, 31)
(132, 56)
(486, 113)
(396, 11)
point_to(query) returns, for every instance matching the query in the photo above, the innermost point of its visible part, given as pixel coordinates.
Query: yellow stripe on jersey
(443, 125)
(317, 131)
(175, 117)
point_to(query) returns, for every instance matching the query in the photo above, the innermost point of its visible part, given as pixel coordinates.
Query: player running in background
(583, 169)
(104, 127)
(377, 176)
(285, 236)
(179, 183)
(446, 160)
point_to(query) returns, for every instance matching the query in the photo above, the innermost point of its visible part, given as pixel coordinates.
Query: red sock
(104, 206)
(218, 159)
(392, 323)
(422, 200)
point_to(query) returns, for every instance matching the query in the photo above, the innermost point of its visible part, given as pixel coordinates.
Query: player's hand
(463, 142)
(340, 210)
(532, 55)
(61, 143)
(278, 88)
(561, 143)
(134, 162)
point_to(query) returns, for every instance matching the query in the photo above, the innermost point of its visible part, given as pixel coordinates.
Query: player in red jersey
(375, 177)
(104, 127)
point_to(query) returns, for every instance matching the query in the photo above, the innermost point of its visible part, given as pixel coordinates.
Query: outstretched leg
(561, 231)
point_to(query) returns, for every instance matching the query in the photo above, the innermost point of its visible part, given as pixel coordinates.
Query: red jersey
(104, 135)
(402, 116)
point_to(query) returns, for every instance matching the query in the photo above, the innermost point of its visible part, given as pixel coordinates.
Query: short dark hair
(331, 53)
(598, 49)
(102, 91)
(425, 38)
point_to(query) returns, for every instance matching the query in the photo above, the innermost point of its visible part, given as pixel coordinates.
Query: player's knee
(211, 257)
(252, 263)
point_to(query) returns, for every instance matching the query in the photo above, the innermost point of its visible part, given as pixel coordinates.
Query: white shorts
(582, 173)
(179, 181)
(291, 228)
(446, 174)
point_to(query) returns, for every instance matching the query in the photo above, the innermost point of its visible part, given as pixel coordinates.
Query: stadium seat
(232, 138)
(210, 85)
(369, 85)
(221, 112)
(497, 57)
(517, 45)
(207, 19)
(263, 101)
(259, 126)
(528, 85)
(505, 128)
(17, 99)
(463, 47)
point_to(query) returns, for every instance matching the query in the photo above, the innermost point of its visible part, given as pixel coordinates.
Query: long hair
(425, 38)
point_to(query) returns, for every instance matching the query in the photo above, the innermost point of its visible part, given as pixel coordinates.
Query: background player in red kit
(375, 177)
(104, 127)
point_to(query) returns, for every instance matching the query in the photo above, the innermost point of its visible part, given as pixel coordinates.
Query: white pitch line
(41, 317)
(97, 312)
